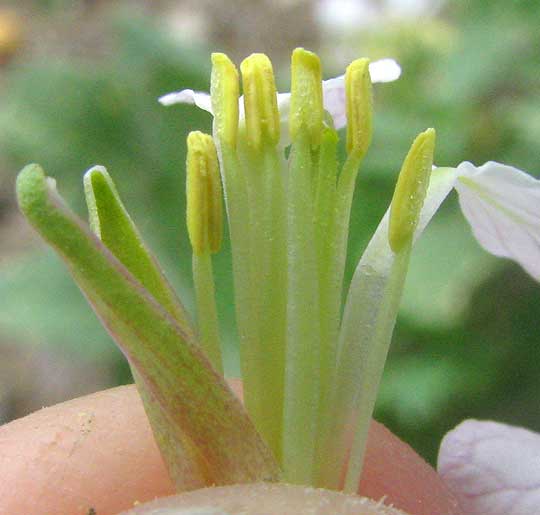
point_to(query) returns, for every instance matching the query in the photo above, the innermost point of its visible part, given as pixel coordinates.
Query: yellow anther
(203, 190)
(224, 90)
(306, 111)
(260, 101)
(411, 190)
(359, 107)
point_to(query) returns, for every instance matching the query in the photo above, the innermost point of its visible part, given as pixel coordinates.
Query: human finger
(97, 452)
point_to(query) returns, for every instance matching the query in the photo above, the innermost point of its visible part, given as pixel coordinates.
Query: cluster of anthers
(311, 363)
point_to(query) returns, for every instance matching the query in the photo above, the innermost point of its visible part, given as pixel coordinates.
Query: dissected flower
(311, 366)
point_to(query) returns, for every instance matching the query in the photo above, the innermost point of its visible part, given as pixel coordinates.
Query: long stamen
(264, 179)
(359, 131)
(225, 94)
(303, 315)
(359, 99)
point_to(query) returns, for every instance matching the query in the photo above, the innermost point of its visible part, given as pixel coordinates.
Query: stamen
(224, 90)
(260, 101)
(359, 107)
(411, 190)
(204, 222)
(204, 208)
(306, 112)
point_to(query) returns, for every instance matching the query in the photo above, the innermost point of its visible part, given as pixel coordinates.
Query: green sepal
(218, 434)
(112, 224)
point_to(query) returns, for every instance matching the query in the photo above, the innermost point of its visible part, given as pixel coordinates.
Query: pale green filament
(303, 316)
(329, 284)
(207, 319)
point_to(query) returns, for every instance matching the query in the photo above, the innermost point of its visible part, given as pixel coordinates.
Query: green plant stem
(303, 321)
(207, 319)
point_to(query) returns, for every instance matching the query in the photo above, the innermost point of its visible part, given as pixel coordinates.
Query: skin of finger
(98, 452)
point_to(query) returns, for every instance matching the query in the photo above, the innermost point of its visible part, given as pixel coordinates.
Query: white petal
(502, 205)
(384, 70)
(188, 96)
(335, 101)
(492, 468)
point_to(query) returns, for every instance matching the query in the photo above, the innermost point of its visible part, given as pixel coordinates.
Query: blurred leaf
(41, 304)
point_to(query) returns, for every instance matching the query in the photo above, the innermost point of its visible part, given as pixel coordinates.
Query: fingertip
(98, 452)
(94, 452)
(394, 471)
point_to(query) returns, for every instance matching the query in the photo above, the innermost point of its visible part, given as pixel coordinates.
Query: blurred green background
(78, 86)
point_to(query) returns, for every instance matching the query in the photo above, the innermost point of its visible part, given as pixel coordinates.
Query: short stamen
(411, 190)
(204, 204)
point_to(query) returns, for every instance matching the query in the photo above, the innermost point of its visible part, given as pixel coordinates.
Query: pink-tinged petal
(188, 96)
(334, 100)
(502, 205)
(493, 468)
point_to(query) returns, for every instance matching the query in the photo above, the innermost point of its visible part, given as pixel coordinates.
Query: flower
(308, 365)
